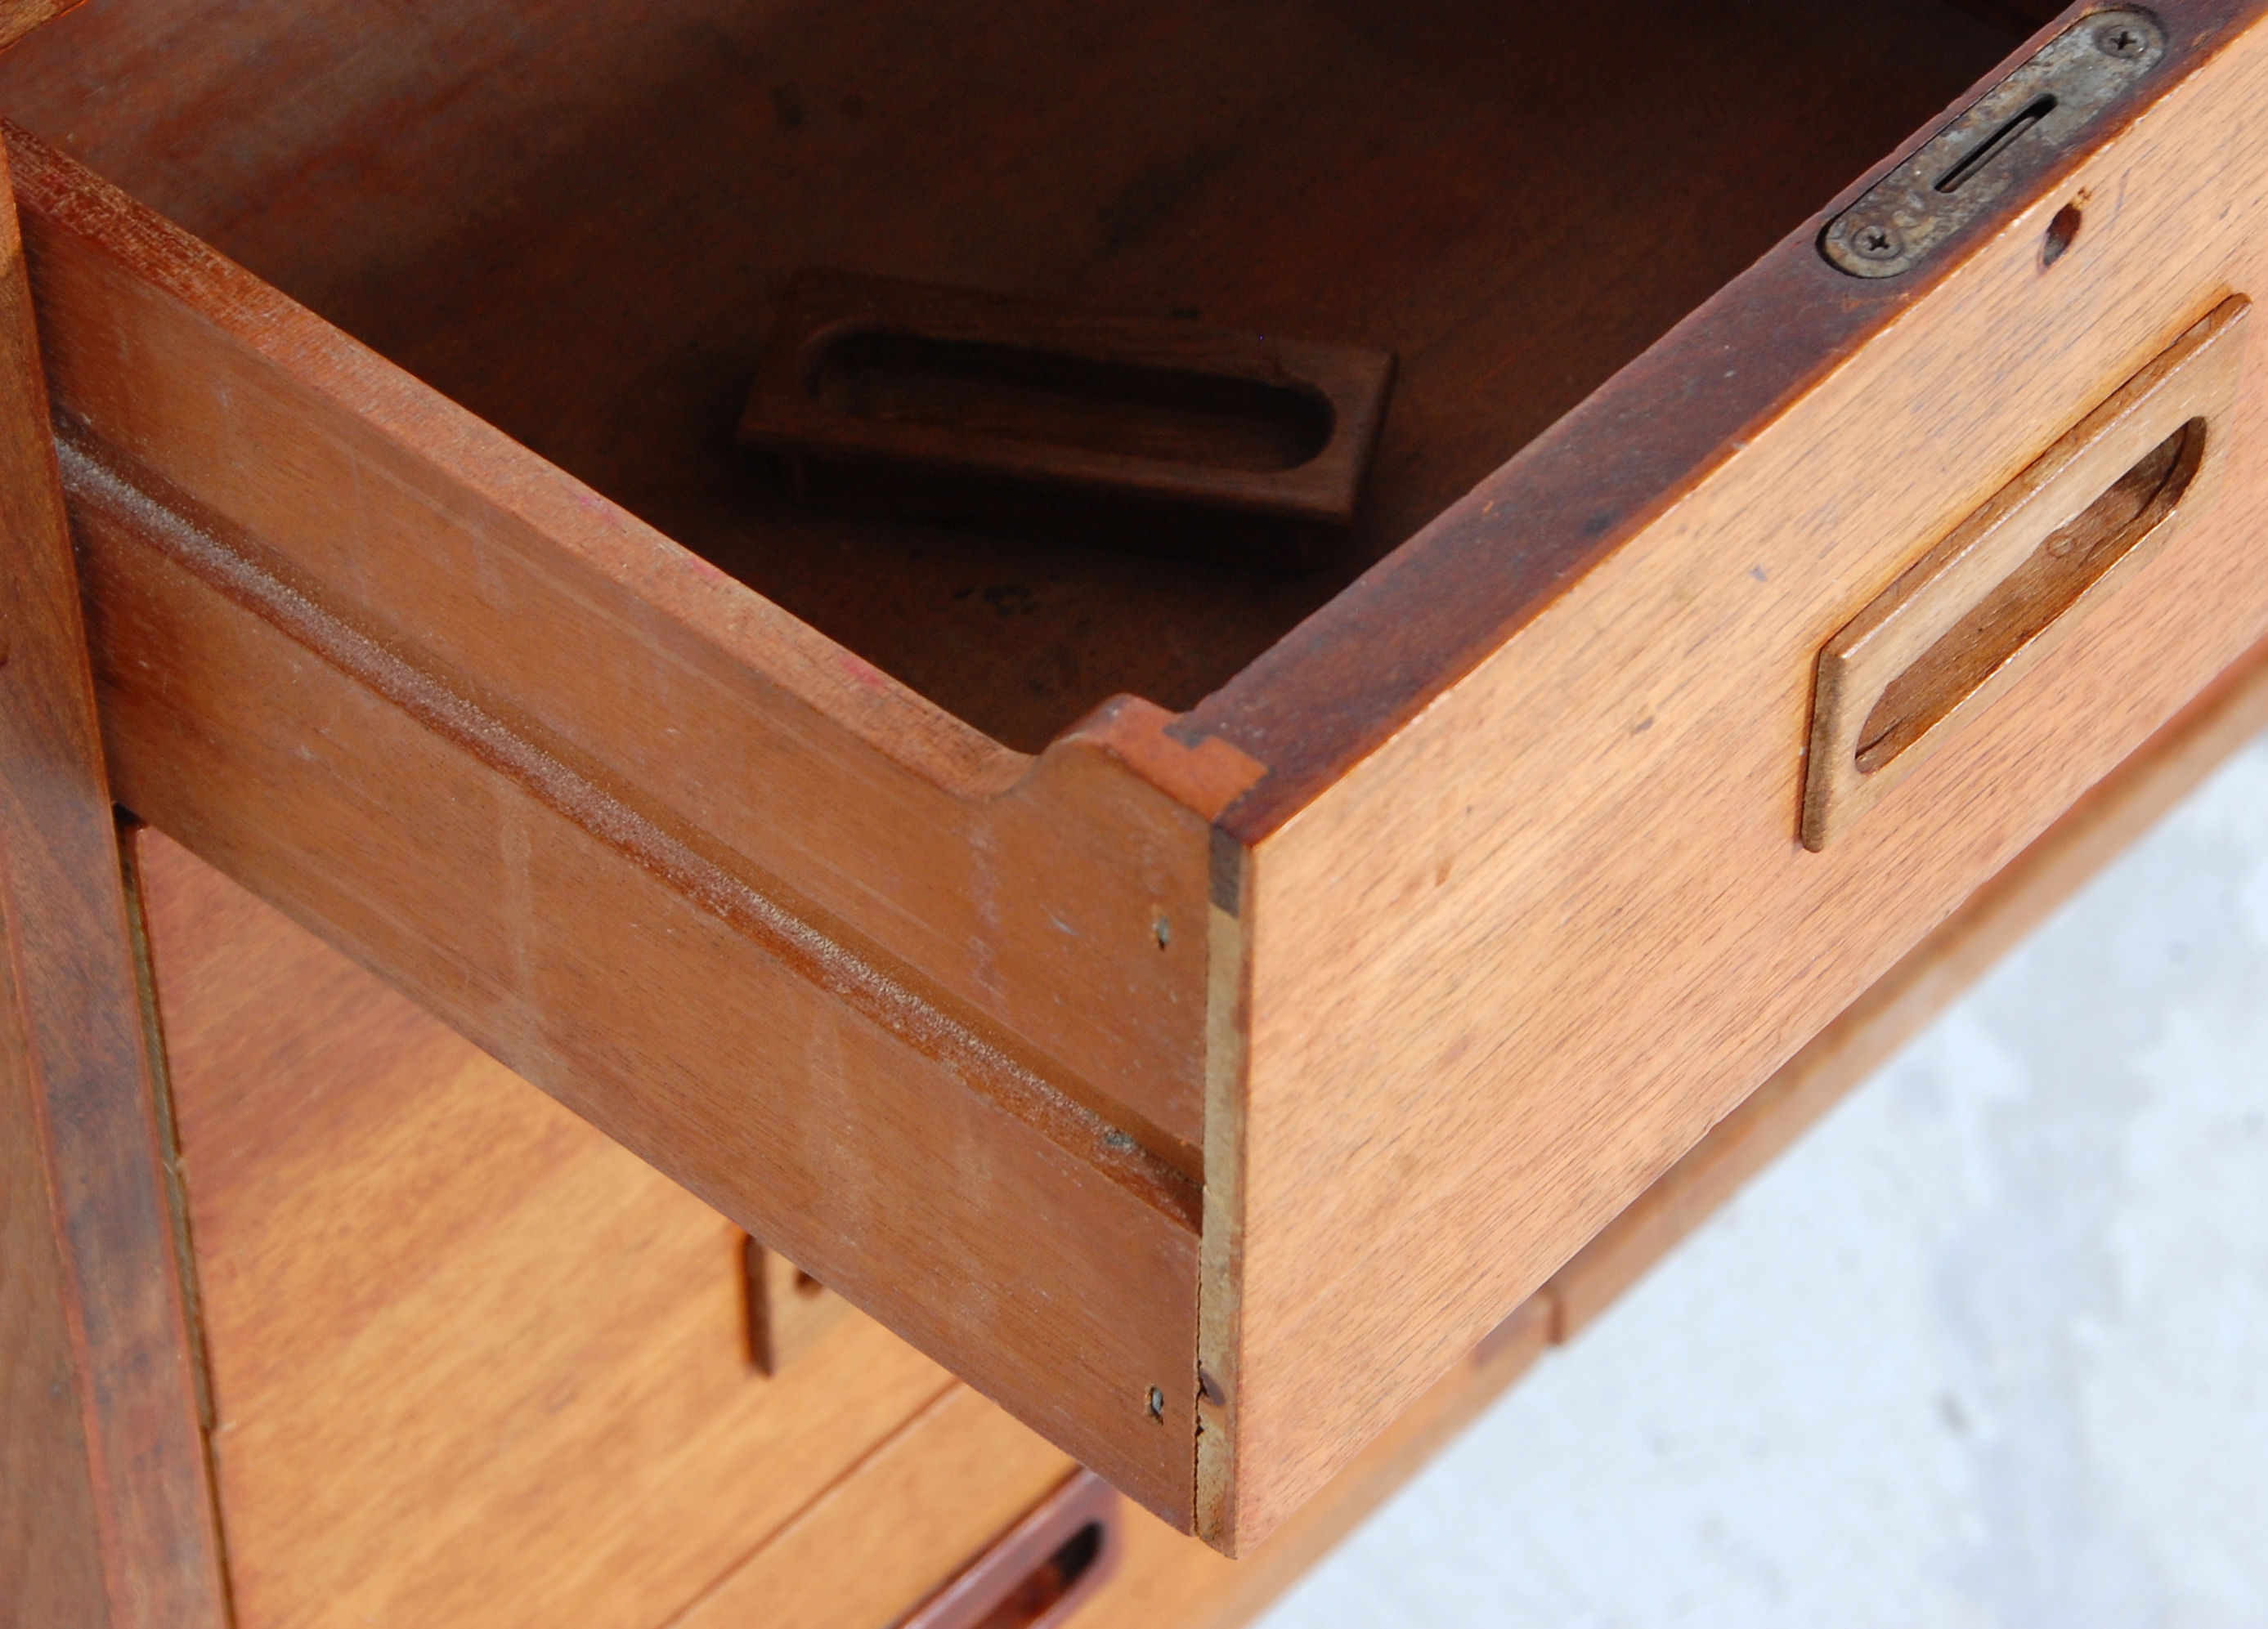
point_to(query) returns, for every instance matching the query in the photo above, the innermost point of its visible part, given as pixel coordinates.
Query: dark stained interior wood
(19, 18)
(579, 221)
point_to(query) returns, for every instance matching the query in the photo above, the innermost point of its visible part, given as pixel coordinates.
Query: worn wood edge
(1220, 1247)
(19, 18)
(2022, 895)
(1345, 681)
(169, 1143)
(78, 1049)
(1498, 1363)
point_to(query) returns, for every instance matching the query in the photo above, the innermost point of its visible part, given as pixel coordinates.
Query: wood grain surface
(472, 1363)
(105, 1516)
(910, 1516)
(1170, 1578)
(1340, 685)
(1516, 198)
(906, 839)
(19, 18)
(933, 1017)
(429, 695)
(1928, 979)
(1961, 624)
(1509, 969)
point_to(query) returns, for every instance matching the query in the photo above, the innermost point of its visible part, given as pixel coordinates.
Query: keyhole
(2039, 108)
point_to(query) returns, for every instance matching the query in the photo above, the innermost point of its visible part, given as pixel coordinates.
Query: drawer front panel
(471, 1363)
(1520, 958)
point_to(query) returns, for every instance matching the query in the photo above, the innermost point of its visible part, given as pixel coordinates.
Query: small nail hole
(2061, 231)
(1165, 932)
(1157, 1404)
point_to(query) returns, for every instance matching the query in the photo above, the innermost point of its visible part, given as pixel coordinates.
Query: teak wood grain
(1170, 1579)
(1516, 199)
(1265, 1057)
(1928, 979)
(471, 1362)
(105, 1518)
(1509, 967)
(1964, 622)
(918, 1159)
(19, 18)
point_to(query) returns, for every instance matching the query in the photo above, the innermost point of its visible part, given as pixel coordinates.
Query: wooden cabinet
(1191, 1003)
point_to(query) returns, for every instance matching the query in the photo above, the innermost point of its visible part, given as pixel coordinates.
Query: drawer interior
(579, 220)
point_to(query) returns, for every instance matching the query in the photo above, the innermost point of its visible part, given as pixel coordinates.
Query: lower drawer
(471, 1364)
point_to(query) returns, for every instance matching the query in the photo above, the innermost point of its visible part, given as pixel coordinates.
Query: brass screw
(1877, 242)
(2120, 39)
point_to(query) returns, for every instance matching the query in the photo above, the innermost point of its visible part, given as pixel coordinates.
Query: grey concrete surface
(1989, 1347)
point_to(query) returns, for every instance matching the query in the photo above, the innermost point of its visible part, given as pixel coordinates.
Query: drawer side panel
(1025, 892)
(1043, 1280)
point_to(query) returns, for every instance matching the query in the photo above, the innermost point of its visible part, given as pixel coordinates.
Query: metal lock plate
(2006, 136)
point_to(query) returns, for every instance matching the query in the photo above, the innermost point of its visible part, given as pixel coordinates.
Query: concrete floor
(1990, 1348)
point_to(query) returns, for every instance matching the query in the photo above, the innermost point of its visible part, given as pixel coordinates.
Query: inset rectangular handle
(1038, 1572)
(1966, 620)
(909, 400)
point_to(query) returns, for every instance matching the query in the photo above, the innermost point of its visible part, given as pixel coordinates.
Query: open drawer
(1193, 1000)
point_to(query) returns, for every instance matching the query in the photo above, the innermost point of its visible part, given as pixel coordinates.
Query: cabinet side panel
(50, 1558)
(1519, 959)
(108, 1449)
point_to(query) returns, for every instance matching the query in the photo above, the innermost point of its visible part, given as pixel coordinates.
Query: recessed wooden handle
(881, 395)
(1038, 1572)
(1964, 622)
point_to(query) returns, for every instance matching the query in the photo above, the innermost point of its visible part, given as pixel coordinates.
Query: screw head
(2122, 40)
(1875, 241)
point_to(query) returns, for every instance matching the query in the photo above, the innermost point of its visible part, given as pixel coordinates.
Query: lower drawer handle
(1965, 621)
(1038, 1572)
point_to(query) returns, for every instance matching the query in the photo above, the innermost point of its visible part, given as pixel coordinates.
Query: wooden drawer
(468, 1361)
(1191, 1003)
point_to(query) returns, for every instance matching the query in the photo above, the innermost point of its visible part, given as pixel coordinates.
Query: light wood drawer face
(1193, 1003)
(470, 1362)
(1509, 968)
